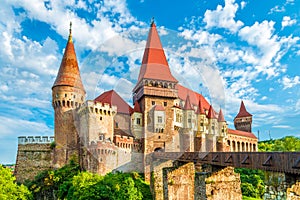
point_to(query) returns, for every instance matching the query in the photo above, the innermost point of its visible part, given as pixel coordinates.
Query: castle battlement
(91, 106)
(35, 139)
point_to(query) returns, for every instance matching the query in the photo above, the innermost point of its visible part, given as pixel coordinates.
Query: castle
(107, 134)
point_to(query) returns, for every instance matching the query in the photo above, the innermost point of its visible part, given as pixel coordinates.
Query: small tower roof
(211, 113)
(113, 99)
(200, 109)
(154, 64)
(187, 105)
(243, 112)
(137, 107)
(159, 108)
(69, 74)
(221, 116)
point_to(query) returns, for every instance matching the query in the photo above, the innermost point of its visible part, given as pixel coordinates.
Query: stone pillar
(281, 186)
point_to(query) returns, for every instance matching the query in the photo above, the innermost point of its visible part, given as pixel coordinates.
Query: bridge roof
(241, 133)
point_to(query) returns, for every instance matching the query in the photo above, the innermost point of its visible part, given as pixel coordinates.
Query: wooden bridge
(285, 162)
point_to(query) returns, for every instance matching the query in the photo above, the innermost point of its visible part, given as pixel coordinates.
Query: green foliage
(9, 188)
(109, 187)
(288, 143)
(69, 183)
(252, 182)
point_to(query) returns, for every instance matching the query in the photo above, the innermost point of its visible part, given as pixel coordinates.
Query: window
(117, 125)
(138, 121)
(66, 95)
(165, 103)
(159, 119)
(153, 102)
(201, 124)
(100, 118)
(189, 120)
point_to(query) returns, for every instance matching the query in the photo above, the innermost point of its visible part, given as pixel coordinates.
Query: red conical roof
(200, 109)
(243, 112)
(69, 74)
(154, 64)
(137, 107)
(211, 113)
(221, 116)
(187, 105)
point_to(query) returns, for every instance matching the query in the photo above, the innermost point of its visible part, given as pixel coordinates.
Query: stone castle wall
(34, 155)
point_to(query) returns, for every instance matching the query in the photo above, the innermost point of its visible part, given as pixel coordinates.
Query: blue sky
(226, 50)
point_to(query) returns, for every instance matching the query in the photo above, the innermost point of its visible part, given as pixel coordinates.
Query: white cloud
(290, 82)
(277, 8)
(223, 17)
(287, 21)
(282, 126)
(243, 4)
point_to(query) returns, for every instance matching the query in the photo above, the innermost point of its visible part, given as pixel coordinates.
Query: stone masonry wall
(31, 160)
(179, 182)
(293, 193)
(223, 184)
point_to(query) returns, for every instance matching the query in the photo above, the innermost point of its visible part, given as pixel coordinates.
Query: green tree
(9, 189)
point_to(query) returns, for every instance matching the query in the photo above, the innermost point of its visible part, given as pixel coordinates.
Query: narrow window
(117, 125)
(138, 121)
(159, 119)
(165, 104)
(153, 102)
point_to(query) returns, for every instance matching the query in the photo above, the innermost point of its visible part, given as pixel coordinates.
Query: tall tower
(155, 92)
(67, 95)
(243, 120)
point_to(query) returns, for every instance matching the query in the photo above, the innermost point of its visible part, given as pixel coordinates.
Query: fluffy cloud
(223, 17)
(290, 82)
(287, 21)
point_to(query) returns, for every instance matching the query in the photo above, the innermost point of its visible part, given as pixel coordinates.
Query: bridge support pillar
(178, 180)
(281, 186)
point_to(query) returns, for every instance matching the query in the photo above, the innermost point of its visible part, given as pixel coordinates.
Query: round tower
(67, 95)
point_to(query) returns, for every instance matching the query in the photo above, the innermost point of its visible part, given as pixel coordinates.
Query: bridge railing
(287, 162)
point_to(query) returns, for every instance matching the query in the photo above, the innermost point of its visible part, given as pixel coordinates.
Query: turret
(243, 120)
(222, 124)
(67, 95)
(136, 121)
(212, 130)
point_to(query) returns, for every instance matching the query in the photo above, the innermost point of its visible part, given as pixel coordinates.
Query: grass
(250, 198)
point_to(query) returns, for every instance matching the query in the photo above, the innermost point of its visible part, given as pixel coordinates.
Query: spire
(243, 112)
(221, 116)
(187, 105)
(154, 64)
(137, 107)
(211, 113)
(69, 74)
(200, 109)
(70, 33)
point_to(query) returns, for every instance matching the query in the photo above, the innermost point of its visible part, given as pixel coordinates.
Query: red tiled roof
(243, 112)
(154, 64)
(221, 117)
(241, 133)
(137, 107)
(187, 105)
(112, 98)
(159, 108)
(121, 132)
(68, 74)
(211, 113)
(193, 96)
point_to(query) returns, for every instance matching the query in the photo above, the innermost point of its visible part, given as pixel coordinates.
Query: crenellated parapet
(97, 108)
(35, 140)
